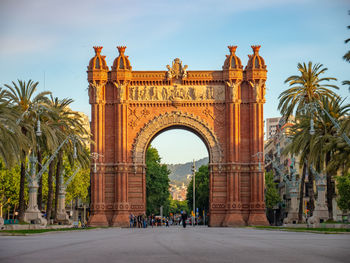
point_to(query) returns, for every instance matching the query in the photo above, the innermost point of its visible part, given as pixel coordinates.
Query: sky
(51, 42)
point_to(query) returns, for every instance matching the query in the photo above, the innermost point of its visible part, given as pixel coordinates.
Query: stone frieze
(177, 92)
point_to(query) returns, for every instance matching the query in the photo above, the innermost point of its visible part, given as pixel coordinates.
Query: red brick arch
(176, 119)
(224, 108)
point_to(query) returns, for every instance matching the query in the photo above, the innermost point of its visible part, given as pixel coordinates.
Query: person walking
(131, 217)
(184, 218)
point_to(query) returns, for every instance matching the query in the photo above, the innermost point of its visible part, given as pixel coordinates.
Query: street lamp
(95, 156)
(194, 190)
(259, 155)
(32, 212)
(313, 106)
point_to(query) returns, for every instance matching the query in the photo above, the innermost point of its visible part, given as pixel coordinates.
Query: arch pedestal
(224, 108)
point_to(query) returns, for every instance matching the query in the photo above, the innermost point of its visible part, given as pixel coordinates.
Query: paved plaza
(175, 244)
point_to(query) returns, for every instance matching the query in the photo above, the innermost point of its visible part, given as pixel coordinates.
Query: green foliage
(272, 196)
(305, 88)
(177, 206)
(343, 186)
(202, 190)
(79, 186)
(9, 188)
(157, 183)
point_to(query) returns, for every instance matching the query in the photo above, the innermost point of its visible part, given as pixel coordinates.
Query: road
(175, 244)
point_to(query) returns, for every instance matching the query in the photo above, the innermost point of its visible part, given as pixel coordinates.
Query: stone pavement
(175, 244)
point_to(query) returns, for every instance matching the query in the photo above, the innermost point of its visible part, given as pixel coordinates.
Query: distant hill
(179, 172)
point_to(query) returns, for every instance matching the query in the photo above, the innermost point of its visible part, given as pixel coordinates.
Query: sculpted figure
(131, 93)
(139, 94)
(184, 71)
(199, 93)
(210, 93)
(164, 93)
(188, 94)
(145, 95)
(259, 90)
(234, 92)
(169, 74)
(96, 90)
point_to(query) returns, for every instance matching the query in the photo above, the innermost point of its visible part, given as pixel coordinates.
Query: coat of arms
(177, 70)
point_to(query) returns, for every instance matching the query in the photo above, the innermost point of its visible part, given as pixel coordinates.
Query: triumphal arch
(223, 107)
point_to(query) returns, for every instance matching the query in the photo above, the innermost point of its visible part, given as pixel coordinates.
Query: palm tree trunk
(329, 188)
(21, 207)
(301, 197)
(50, 191)
(311, 191)
(40, 190)
(58, 171)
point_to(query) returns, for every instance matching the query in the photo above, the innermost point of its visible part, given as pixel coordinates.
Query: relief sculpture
(176, 92)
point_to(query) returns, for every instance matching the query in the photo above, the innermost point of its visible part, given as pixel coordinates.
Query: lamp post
(292, 184)
(33, 213)
(259, 156)
(95, 156)
(312, 107)
(194, 191)
(61, 211)
(321, 209)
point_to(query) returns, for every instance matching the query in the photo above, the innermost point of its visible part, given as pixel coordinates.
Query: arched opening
(177, 193)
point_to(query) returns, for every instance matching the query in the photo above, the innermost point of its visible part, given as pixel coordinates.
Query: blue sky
(55, 39)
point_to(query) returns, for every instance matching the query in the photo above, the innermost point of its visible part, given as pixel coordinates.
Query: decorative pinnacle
(98, 49)
(121, 50)
(232, 49)
(256, 49)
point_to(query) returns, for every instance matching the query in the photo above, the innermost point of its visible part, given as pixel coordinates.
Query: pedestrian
(131, 217)
(184, 218)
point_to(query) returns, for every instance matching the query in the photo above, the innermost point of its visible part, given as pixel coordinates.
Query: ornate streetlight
(95, 156)
(33, 213)
(61, 210)
(194, 191)
(312, 107)
(321, 209)
(292, 184)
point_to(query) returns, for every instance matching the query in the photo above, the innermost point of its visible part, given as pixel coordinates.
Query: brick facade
(224, 108)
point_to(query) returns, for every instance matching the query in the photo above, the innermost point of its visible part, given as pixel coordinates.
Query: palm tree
(22, 97)
(300, 146)
(305, 88)
(66, 123)
(11, 138)
(346, 57)
(322, 146)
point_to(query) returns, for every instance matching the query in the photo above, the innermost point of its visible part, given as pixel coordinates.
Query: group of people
(139, 221)
(142, 221)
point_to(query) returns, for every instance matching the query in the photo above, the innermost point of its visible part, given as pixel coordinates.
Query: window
(256, 62)
(97, 65)
(233, 63)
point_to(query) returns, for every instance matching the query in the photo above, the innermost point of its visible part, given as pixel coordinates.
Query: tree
(308, 87)
(322, 146)
(11, 139)
(157, 183)
(28, 105)
(9, 188)
(344, 192)
(66, 123)
(305, 88)
(272, 196)
(177, 206)
(346, 57)
(202, 189)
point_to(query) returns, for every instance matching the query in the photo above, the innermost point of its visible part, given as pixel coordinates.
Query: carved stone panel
(177, 92)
